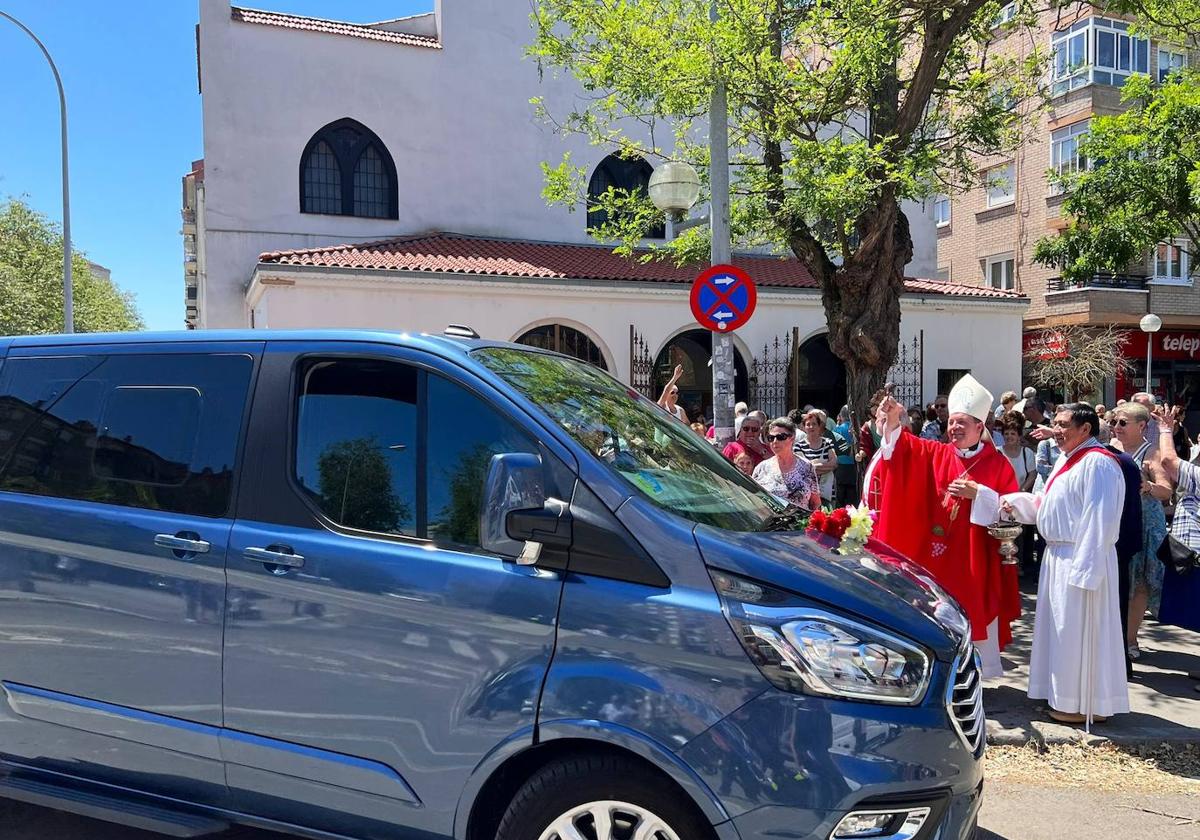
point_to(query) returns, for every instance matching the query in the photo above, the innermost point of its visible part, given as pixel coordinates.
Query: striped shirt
(817, 455)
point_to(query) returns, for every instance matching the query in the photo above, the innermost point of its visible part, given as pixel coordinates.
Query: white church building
(388, 176)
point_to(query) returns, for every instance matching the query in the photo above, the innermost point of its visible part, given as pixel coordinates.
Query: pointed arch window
(619, 173)
(346, 171)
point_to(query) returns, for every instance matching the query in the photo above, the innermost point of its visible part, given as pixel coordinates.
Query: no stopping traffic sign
(723, 298)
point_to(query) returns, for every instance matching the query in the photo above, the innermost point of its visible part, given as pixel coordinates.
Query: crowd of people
(1108, 498)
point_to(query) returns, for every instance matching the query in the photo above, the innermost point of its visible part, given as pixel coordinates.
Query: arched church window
(619, 173)
(346, 171)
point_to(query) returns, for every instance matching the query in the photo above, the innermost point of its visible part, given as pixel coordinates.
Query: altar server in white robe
(1077, 663)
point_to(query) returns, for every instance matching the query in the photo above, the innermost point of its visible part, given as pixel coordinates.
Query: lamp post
(68, 287)
(674, 188)
(1150, 324)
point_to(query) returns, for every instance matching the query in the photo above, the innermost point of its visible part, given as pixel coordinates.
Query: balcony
(1102, 299)
(1099, 281)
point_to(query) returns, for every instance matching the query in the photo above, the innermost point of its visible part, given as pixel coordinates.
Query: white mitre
(969, 397)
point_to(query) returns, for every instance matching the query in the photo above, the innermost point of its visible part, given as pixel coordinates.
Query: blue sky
(133, 111)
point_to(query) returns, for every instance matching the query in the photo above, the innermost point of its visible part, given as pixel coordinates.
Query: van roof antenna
(460, 331)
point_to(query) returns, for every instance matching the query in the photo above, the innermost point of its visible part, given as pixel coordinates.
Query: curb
(1049, 733)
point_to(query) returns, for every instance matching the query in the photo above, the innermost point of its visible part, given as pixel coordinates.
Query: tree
(838, 113)
(355, 486)
(1076, 360)
(1143, 183)
(31, 281)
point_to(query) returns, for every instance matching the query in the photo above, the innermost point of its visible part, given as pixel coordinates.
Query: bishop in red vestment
(935, 501)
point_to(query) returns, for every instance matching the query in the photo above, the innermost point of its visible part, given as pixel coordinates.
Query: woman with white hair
(1145, 569)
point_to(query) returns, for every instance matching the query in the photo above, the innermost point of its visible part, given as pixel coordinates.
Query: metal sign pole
(722, 342)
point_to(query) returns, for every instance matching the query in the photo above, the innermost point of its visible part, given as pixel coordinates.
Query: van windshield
(660, 457)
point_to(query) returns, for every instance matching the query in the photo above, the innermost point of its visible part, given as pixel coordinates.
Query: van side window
(158, 432)
(356, 443)
(464, 433)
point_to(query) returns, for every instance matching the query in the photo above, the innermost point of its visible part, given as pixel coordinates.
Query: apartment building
(987, 233)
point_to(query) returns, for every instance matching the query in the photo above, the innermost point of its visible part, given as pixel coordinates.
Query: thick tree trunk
(862, 303)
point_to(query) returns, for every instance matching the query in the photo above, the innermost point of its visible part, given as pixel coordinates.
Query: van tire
(567, 783)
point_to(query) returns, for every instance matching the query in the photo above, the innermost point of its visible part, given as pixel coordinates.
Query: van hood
(874, 583)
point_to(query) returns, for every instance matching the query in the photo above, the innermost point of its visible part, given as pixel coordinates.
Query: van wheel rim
(608, 820)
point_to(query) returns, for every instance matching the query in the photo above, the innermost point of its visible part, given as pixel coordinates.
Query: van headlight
(803, 649)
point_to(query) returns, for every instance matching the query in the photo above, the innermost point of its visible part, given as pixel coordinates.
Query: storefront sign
(1045, 344)
(1177, 345)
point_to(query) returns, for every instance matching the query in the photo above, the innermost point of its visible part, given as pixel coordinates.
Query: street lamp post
(1150, 324)
(68, 287)
(674, 188)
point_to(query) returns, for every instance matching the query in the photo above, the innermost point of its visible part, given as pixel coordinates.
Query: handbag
(1176, 556)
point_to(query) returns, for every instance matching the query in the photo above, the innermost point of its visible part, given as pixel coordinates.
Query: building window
(1170, 61)
(1007, 12)
(631, 175)
(941, 210)
(566, 340)
(1065, 158)
(998, 272)
(1171, 263)
(346, 171)
(1096, 50)
(1000, 182)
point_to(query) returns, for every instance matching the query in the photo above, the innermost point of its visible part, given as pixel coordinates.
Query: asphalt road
(1010, 812)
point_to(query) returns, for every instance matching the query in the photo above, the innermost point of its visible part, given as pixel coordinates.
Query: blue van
(366, 585)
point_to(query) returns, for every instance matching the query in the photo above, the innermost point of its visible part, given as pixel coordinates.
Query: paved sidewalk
(1164, 704)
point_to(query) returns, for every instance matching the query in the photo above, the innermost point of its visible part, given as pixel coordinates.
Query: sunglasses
(1122, 423)
(754, 429)
(779, 437)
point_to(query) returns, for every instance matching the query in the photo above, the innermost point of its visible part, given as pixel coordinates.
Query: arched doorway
(820, 376)
(693, 350)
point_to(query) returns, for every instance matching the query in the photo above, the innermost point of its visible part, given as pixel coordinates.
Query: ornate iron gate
(772, 375)
(908, 371)
(641, 365)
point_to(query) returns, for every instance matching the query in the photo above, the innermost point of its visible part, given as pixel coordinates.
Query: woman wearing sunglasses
(785, 474)
(1145, 570)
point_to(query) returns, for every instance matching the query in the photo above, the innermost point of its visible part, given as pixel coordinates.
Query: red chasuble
(921, 520)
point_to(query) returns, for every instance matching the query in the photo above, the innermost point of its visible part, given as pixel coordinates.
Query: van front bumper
(790, 766)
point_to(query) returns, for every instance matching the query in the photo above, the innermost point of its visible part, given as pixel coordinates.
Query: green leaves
(866, 100)
(31, 281)
(1144, 183)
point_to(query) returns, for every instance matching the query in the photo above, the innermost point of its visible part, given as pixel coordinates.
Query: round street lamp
(674, 187)
(1150, 324)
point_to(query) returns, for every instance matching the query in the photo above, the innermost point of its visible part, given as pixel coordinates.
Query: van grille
(964, 700)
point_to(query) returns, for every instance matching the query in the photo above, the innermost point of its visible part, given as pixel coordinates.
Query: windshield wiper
(792, 519)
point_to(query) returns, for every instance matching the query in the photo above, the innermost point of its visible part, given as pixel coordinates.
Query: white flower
(861, 523)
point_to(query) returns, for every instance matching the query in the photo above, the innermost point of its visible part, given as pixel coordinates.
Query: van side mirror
(517, 517)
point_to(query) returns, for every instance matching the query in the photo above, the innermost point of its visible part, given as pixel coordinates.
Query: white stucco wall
(984, 337)
(457, 122)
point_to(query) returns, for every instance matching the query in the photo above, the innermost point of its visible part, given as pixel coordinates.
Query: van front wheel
(600, 798)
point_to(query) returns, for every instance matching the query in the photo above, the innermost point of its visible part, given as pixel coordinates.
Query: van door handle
(175, 542)
(274, 556)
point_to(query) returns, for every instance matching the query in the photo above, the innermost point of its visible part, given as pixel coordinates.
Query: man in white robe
(1077, 663)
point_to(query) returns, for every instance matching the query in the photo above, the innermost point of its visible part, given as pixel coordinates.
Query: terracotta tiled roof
(458, 254)
(332, 27)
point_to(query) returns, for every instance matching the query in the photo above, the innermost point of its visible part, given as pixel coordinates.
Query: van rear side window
(131, 449)
(158, 432)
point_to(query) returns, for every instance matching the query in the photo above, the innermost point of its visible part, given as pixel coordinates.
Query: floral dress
(1145, 567)
(796, 486)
